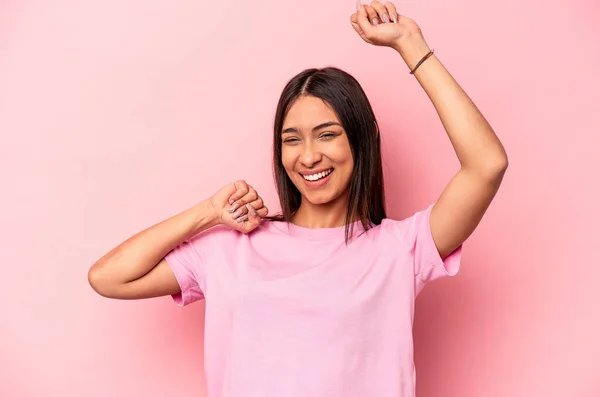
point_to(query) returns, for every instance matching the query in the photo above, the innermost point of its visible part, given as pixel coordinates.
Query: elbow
(98, 282)
(498, 167)
(94, 280)
(495, 162)
(491, 168)
(495, 172)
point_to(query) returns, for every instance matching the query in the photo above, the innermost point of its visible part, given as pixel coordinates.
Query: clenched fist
(381, 24)
(238, 206)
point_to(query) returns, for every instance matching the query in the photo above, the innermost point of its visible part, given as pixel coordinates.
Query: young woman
(319, 301)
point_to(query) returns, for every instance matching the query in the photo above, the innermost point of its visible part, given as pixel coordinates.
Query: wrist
(412, 49)
(204, 216)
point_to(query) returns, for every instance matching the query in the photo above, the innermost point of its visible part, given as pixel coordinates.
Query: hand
(380, 24)
(238, 206)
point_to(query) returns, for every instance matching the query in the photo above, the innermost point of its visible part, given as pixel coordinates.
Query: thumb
(362, 19)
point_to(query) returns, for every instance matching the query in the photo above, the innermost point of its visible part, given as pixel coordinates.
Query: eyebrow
(319, 127)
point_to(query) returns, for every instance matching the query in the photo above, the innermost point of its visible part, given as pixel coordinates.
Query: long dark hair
(350, 103)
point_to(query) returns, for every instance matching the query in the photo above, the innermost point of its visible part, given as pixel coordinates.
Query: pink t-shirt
(295, 312)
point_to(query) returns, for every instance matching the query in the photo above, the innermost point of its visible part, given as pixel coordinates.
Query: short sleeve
(189, 261)
(428, 264)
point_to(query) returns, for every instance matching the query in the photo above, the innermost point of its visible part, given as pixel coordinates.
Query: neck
(316, 216)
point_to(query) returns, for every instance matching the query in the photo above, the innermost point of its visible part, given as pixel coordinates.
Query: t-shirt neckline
(317, 233)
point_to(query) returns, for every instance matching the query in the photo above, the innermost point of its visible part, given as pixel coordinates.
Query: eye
(291, 140)
(328, 135)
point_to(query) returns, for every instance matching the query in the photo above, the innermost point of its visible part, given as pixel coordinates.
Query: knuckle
(240, 186)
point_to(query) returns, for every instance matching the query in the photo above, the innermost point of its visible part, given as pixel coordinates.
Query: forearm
(473, 139)
(139, 254)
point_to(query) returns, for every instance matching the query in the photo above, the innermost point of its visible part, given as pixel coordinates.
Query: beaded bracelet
(430, 53)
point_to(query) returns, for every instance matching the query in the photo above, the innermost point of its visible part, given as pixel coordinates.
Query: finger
(255, 216)
(381, 11)
(354, 22)
(243, 210)
(262, 212)
(257, 204)
(373, 17)
(362, 20)
(251, 210)
(391, 8)
(241, 189)
(249, 197)
(259, 208)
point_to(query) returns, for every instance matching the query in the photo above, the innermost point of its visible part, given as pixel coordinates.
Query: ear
(377, 128)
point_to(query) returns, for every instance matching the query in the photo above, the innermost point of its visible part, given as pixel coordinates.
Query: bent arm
(135, 269)
(482, 157)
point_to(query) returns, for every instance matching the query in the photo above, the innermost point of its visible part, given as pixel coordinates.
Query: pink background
(117, 114)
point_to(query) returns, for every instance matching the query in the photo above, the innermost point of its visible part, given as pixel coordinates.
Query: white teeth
(316, 177)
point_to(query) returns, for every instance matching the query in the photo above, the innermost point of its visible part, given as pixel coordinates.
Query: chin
(321, 198)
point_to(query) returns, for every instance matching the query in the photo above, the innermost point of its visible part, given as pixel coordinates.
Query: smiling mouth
(317, 176)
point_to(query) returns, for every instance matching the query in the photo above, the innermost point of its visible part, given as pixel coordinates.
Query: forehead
(307, 112)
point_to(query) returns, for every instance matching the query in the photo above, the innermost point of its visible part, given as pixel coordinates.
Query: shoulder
(407, 228)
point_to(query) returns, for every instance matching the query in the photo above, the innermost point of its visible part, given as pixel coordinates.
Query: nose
(310, 155)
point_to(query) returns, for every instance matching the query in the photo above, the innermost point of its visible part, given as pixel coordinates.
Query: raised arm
(483, 160)
(482, 157)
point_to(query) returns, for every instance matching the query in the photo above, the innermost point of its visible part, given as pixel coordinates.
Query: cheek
(342, 154)
(287, 159)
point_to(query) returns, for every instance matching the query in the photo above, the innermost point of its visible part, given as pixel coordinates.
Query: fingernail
(385, 18)
(242, 219)
(235, 207)
(357, 5)
(231, 201)
(251, 209)
(375, 21)
(237, 213)
(394, 18)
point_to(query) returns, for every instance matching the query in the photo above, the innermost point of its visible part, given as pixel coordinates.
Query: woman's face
(315, 151)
